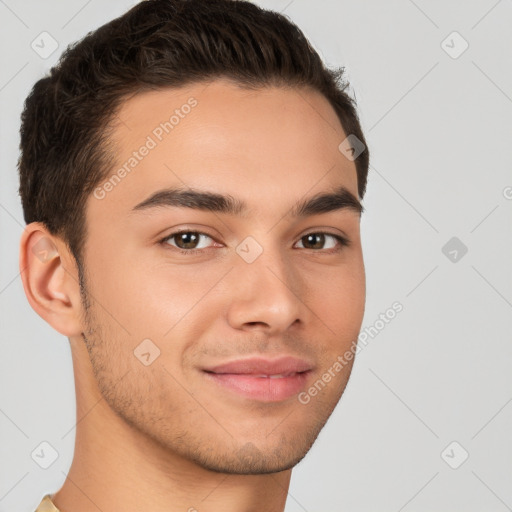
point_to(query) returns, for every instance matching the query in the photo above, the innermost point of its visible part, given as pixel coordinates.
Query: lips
(259, 366)
(268, 380)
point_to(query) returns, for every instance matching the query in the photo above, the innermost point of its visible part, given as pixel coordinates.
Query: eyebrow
(339, 199)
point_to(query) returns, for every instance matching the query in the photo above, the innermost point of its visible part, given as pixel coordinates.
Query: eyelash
(343, 242)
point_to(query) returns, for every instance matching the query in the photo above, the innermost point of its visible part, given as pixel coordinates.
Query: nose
(267, 296)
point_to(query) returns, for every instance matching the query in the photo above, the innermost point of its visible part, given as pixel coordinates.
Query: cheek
(338, 299)
(122, 295)
(150, 300)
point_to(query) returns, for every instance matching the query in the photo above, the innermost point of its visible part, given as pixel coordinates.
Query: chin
(251, 458)
(249, 464)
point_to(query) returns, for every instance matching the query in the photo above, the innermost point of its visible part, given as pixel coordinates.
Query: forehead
(269, 144)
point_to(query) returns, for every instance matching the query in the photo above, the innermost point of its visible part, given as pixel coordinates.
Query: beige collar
(47, 505)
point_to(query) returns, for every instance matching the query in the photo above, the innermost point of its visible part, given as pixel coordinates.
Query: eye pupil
(188, 238)
(317, 239)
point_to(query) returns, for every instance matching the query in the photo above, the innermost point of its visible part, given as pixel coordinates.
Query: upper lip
(263, 366)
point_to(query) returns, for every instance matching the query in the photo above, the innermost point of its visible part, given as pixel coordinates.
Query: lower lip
(262, 388)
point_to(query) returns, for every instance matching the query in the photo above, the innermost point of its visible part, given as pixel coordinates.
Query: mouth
(262, 379)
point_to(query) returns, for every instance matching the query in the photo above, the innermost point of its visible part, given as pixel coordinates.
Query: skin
(161, 437)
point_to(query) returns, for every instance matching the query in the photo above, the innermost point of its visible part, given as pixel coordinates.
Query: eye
(189, 242)
(186, 241)
(319, 239)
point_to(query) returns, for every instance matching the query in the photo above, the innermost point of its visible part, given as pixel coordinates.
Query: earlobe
(50, 279)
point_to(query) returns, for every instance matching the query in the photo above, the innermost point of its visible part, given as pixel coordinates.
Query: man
(191, 177)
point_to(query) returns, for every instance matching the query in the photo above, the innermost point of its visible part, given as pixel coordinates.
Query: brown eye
(313, 241)
(186, 240)
(317, 241)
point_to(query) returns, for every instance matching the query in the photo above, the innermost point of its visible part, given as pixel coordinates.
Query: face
(216, 280)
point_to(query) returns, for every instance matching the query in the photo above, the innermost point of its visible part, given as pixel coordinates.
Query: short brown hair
(156, 44)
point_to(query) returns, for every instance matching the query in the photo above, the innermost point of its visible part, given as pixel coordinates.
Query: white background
(440, 135)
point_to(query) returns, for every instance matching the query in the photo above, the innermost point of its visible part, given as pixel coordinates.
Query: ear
(50, 279)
